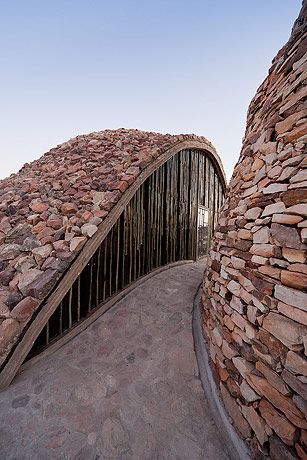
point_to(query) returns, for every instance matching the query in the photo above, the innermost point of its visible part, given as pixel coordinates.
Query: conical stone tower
(254, 301)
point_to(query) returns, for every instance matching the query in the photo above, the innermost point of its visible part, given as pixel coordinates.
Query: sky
(70, 67)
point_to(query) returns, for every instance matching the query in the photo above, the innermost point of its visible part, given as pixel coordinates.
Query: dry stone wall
(53, 207)
(254, 301)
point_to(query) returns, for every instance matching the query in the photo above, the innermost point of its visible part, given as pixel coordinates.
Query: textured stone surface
(24, 309)
(282, 427)
(285, 236)
(89, 230)
(256, 422)
(273, 378)
(9, 329)
(297, 385)
(287, 331)
(280, 402)
(293, 297)
(296, 314)
(294, 279)
(126, 388)
(234, 412)
(27, 278)
(77, 243)
(260, 306)
(296, 363)
(53, 206)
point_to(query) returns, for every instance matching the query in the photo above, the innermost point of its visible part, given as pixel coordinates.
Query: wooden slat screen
(157, 227)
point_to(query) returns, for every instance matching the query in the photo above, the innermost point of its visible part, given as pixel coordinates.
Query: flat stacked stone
(255, 287)
(53, 206)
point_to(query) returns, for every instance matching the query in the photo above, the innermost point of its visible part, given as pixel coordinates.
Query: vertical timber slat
(157, 227)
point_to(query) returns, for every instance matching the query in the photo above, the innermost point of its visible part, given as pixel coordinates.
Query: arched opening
(156, 212)
(170, 218)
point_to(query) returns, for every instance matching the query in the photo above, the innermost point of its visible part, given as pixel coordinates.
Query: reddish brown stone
(216, 266)
(293, 297)
(69, 209)
(295, 196)
(24, 309)
(296, 314)
(279, 451)
(38, 227)
(27, 278)
(38, 206)
(267, 198)
(264, 250)
(46, 232)
(9, 329)
(286, 124)
(299, 268)
(294, 279)
(87, 216)
(42, 285)
(301, 451)
(233, 409)
(223, 373)
(299, 387)
(55, 223)
(66, 256)
(60, 245)
(233, 388)
(296, 363)
(287, 331)
(282, 427)
(256, 422)
(286, 236)
(281, 402)
(122, 186)
(273, 378)
(276, 347)
(7, 275)
(288, 219)
(77, 243)
(243, 245)
(293, 255)
(296, 133)
(101, 213)
(261, 285)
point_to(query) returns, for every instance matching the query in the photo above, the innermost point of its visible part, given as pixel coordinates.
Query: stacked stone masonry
(52, 207)
(254, 300)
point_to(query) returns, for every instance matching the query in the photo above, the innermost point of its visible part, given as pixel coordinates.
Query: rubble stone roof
(52, 206)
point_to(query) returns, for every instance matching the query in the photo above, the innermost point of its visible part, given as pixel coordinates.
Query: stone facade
(54, 206)
(254, 300)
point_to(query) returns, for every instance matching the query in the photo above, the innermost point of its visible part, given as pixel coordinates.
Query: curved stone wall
(255, 288)
(55, 213)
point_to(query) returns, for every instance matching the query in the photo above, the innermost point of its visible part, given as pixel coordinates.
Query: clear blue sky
(75, 66)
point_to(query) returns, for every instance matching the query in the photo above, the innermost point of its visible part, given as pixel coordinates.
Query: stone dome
(58, 208)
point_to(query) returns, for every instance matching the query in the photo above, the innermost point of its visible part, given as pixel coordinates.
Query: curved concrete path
(125, 388)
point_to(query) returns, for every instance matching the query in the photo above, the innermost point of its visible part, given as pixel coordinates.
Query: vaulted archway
(149, 221)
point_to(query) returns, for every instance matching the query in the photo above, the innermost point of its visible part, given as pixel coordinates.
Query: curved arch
(48, 307)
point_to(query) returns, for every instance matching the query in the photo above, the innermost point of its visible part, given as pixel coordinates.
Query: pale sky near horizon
(70, 67)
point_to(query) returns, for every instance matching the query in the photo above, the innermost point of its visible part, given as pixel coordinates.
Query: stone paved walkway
(125, 388)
